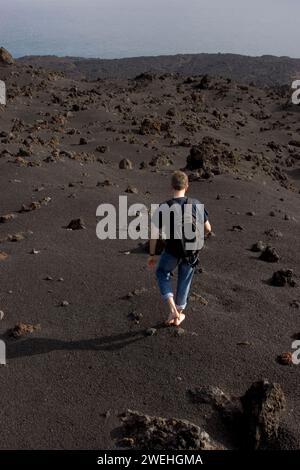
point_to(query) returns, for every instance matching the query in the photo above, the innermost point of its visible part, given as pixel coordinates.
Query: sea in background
(128, 28)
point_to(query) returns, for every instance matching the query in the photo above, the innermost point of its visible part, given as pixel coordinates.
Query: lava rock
(131, 190)
(263, 405)
(156, 433)
(7, 218)
(5, 57)
(283, 277)
(258, 246)
(270, 255)
(150, 331)
(210, 157)
(22, 329)
(285, 359)
(76, 224)
(125, 164)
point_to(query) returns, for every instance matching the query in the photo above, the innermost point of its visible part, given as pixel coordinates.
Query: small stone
(105, 183)
(150, 332)
(22, 329)
(270, 255)
(1, 314)
(17, 237)
(7, 218)
(295, 304)
(179, 332)
(64, 303)
(285, 359)
(135, 316)
(76, 224)
(125, 164)
(131, 190)
(102, 148)
(258, 246)
(237, 228)
(83, 141)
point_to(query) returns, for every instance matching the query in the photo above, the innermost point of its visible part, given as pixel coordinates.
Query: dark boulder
(5, 57)
(156, 433)
(263, 405)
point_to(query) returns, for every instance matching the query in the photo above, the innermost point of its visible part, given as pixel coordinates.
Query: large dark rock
(5, 57)
(229, 407)
(156, 433)
(210, 156)
(263, 405)
(283, 277)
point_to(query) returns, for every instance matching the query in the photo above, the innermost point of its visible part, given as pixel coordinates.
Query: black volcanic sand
(65, 383)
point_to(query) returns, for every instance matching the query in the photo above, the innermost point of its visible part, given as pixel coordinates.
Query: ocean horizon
(113, 29)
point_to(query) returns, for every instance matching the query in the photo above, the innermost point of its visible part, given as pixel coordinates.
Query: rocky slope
(81, 317)
(262, 71)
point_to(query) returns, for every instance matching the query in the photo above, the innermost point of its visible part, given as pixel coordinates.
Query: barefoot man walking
(174, 254)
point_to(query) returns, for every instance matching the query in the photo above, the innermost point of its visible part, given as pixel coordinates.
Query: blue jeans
(166, 265)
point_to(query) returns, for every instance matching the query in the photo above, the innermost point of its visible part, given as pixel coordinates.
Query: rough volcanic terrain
(81, 317)
(265, 70)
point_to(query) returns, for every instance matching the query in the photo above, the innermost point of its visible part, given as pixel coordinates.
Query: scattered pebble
(125, 164)
(258, 246)
(285, 359)
(179, 331)
(76, 224)
(22, 329)
(150, 332)
(34, 252)
(7, 218)
(270, 255)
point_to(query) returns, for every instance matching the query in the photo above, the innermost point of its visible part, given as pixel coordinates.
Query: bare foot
(179, 319)
(173, 316)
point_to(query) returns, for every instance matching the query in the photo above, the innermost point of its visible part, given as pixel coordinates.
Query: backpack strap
(192, 261)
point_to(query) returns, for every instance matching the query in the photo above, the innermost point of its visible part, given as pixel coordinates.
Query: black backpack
(179, 247)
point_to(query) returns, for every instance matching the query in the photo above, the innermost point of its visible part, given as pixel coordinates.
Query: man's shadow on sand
(33, 346)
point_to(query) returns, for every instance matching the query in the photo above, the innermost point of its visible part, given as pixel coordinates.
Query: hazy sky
(125, 28)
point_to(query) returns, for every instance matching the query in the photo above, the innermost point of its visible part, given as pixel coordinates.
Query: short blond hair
(179, 180)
